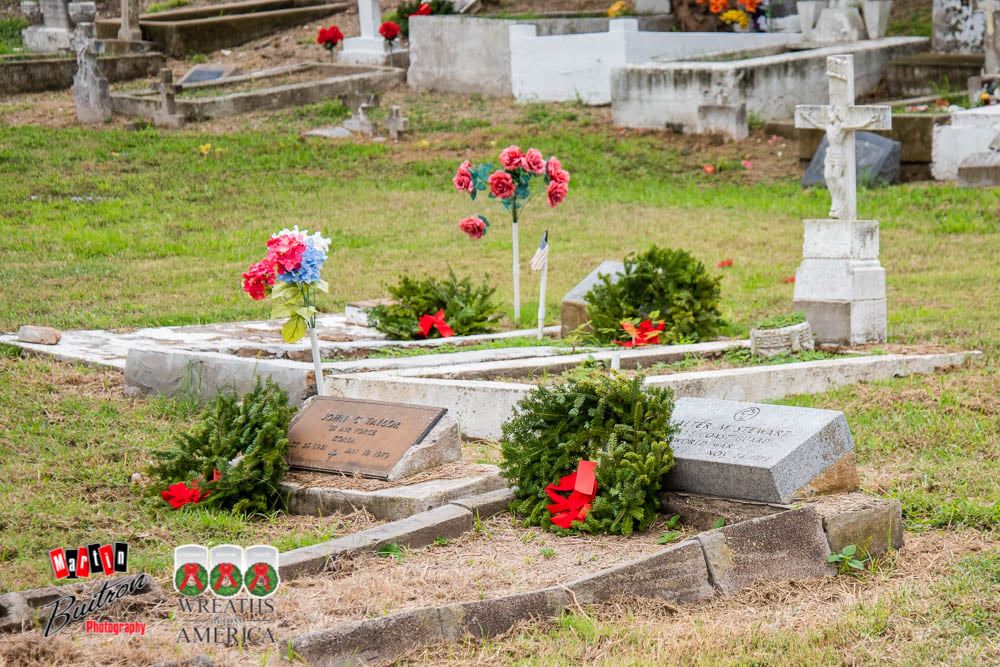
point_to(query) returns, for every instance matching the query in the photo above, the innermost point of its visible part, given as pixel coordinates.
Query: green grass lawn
(114, 228)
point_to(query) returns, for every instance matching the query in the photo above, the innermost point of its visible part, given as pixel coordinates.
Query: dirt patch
(312, 479)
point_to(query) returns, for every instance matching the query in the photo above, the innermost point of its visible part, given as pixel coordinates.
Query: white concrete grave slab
(971, 131)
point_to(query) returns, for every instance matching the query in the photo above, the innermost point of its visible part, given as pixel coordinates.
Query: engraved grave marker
(371, 438)
(754, 451)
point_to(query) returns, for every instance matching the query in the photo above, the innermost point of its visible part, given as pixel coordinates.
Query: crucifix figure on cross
(840, 120)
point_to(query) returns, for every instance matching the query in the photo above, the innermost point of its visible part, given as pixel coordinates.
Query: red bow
(180, 494)
(646, 334)
(225, 575)
(436, 321)
(583, 484)
(260, 572)
(191, 572)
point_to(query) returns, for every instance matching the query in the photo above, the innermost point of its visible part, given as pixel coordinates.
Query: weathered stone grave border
(793, 542)
(332, 81)
(778, 543)
(206, 29)
(33, 75)
(261, 339)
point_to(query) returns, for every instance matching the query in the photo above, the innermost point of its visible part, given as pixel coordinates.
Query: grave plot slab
(788, 545)
(389, 502)
(483, 395)
(207, 29)
(288, 87)
(672, 92)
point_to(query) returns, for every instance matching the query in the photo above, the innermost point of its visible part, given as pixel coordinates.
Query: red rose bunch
(423, 10)
(329, 37)
(389, 31)
(510, 184)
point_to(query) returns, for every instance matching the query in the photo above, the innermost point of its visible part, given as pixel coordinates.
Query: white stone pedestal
(370, 48)
(840, 284)
(371, 51)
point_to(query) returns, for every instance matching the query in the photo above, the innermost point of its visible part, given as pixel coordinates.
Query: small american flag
(541, 256)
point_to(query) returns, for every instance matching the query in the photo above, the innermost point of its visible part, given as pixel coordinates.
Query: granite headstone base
(573, 310)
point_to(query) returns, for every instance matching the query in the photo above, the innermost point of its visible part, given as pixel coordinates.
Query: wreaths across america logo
(210, 581)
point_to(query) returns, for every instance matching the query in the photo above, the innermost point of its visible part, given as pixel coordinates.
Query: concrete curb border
(448, 521)
(723, 561)
(394, 503)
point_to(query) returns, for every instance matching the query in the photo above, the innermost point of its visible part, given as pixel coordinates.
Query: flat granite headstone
(755, 451)
(573, 311)
(208, 72)
(371, 438)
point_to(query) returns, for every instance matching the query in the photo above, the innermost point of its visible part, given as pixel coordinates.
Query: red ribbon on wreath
(191, 572)
(225, 576)
(575, 507)
(437, 322)
(260, 573)
(180, 494)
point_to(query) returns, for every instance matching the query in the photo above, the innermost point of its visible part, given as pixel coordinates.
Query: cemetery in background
(361, 332)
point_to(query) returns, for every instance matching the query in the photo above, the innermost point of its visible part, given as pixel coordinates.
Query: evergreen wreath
(608, 419)
(468, 308)
(670, 284)
(247, 442)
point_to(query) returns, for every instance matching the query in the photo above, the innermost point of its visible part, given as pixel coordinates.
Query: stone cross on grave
(90, 89)
(397, 124)
(166, 115)
(841, 119)
(840, 284)
(130, 30)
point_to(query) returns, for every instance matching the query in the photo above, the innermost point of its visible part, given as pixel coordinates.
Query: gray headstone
(755, 451)
(573, 311)
(876, 159)
(208, 72)
(331, 132)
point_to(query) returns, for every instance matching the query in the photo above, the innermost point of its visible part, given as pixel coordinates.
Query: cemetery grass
(127, 229)
(70, 442)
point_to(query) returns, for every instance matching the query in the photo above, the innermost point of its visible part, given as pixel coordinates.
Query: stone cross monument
(90, 88)
(129, 30)
(840, 284)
